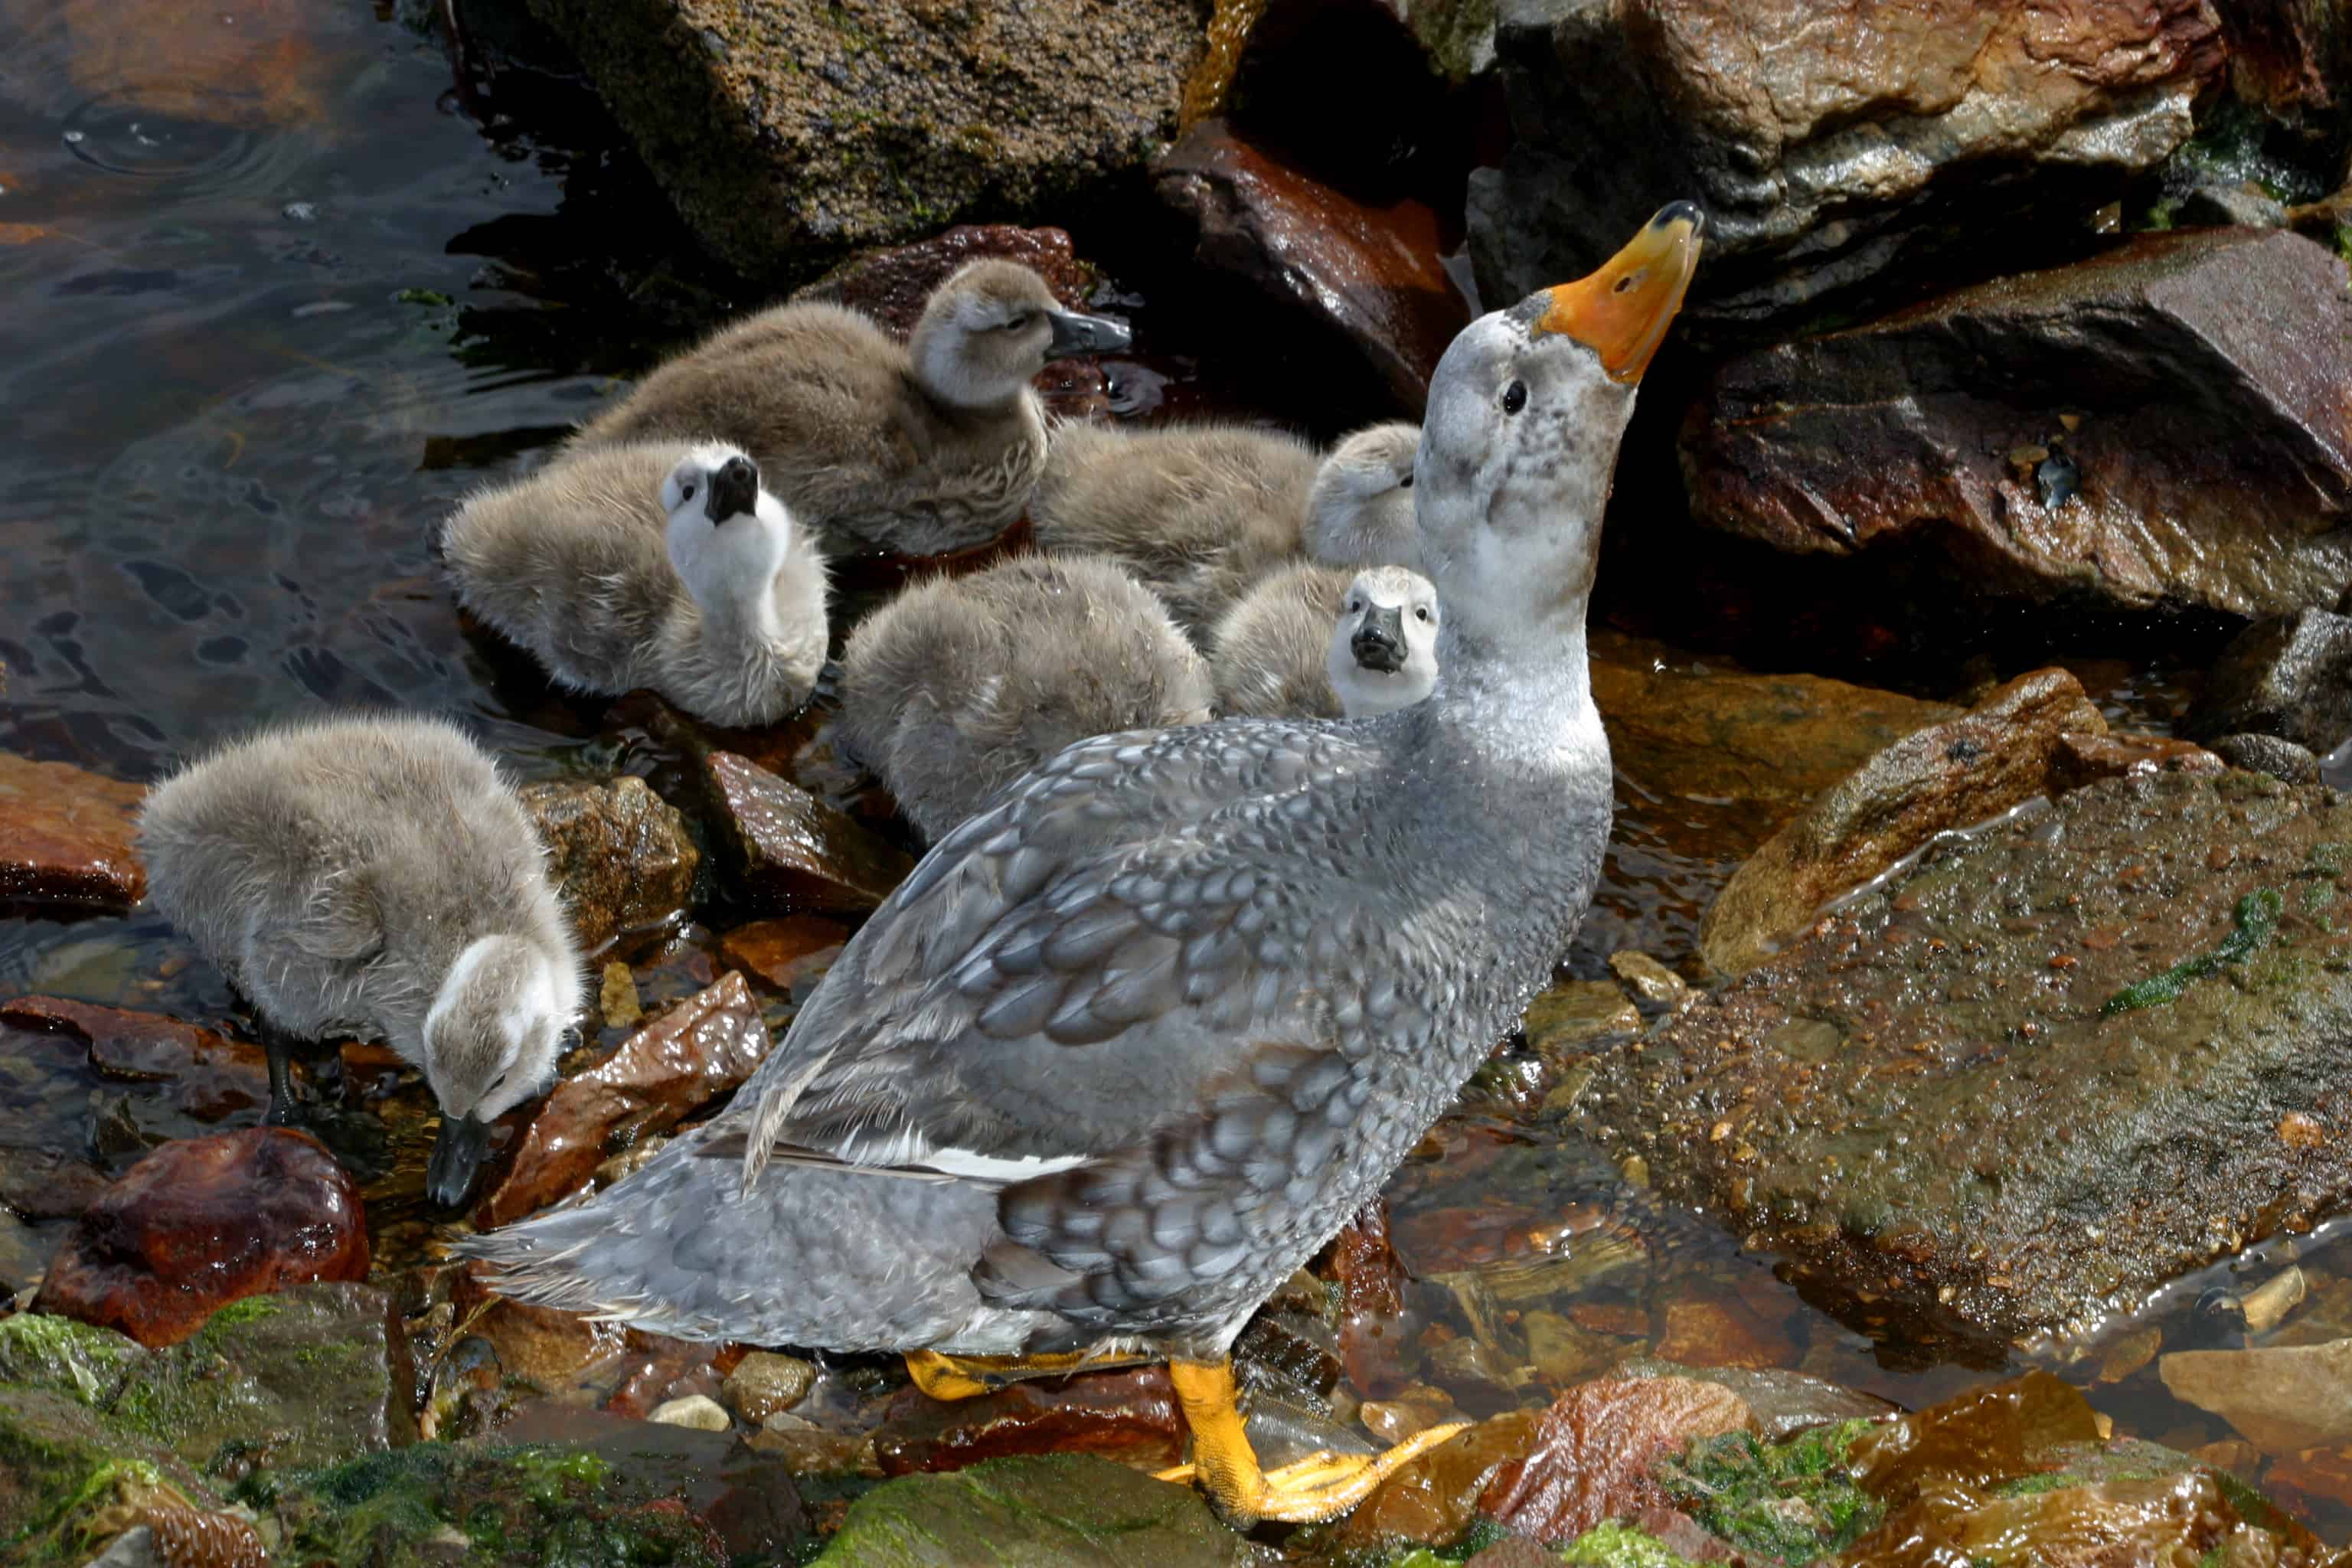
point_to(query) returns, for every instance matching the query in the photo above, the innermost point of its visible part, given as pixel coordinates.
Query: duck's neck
(1520, 707)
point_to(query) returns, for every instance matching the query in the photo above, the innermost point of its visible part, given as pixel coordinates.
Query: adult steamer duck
(1130, 1045)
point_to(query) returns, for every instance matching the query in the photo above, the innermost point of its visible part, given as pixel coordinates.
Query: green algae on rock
(1057, 1510)
(2257, 919)
(1921, 1104)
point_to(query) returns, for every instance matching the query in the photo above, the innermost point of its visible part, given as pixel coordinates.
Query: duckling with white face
(918, 449)
(374, 877)
(723, 611)
(1383, 653)
(1314, 642)
(1360, 510)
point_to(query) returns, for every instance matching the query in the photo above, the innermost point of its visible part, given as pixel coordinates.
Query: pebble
(766, 1384)
(1646, 980)
(699, 1411)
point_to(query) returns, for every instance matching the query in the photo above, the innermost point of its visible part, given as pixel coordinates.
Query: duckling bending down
(960, 684)
(375, 878)
(1131, 1044)
(921, 448)
(1360, 510)
(721, 610)
(1310, 642)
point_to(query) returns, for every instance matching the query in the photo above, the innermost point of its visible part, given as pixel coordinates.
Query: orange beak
(1621, 311)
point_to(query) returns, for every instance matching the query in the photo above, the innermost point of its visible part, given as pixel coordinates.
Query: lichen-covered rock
(620, 854)
(785, 133)
(66, 836)
(1057, 1510)
(2288, 676)
(2098, 1019)
(2159, 425)
(791, 851)
(203, 1221)
(1834, 146)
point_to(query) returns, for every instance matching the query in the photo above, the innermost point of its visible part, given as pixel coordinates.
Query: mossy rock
(61, 1464)
(1054, 1511)
(1787, 1503)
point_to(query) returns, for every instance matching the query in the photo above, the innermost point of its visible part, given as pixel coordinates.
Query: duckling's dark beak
(1076, 334)
(457, 1159)
(1621, 311)
(1379, 642)
(734, 490)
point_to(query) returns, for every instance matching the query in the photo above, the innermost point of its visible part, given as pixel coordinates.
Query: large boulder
(1835, 145)
(2120, 1019)
(788, 133)
(2286, 676)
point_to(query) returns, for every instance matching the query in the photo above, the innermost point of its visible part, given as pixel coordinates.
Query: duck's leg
(1320, 1487)
(969, 1376)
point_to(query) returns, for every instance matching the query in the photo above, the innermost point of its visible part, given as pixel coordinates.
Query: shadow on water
(275, 304)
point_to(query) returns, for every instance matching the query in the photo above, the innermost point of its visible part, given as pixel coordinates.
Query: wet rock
(1372, 273)
(2243, 205)
(2083, 758)
(764, 1384)
(617, 997)
(2282, 760)
(791, 851)
(203, 1221)
(2289, 675)
(1646, 980)
(2280, 1400)
(42, 1183)
(1575, 1013)
(65, 1473)
(783, 133)
(805, 1448)
(670, 1068)
(1935, 124)
(1726, 1332)
(1417, 1408)
(699, 1411)
(2085, 1024)
(1056, 1511)
(211, 1077)
(2290, 59)
(66, 836)
(1592, 1451)
(1782, 1402)
(1949, 775)
(1375, 1339)
(2031, 435)
(1130, 1416)
(619, 852)
(1434, 1496)
(784, 951)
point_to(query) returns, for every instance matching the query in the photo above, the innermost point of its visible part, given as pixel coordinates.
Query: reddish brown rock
(1435, 1496)
(2085, 759)
(1591, 1453)
(671, 1066)
(619, 852)
(203, 1221)
(793, 852)
(783, 951)
(2003, 752)
(1375, 1339)
(1723, 1332)
(2029, 437)
(66, 836)
(1130, 1416)
(212, 1077)
(1373, 273)
(42, 1183)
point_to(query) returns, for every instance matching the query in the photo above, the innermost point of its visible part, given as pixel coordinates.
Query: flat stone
(1825, 183)
(1372, 273)
(1933, 1098)
(1130, 1416)
(47, 1183)
(1591, 1453)
(1949, 775)
(1052, 1510)
(783, 951)
(211, 1076)
(793, 853)
(699, 1411)
(2085, 758)
(619, 852)
(672, 1067)
(2289, 675)
(1373, 1338)
(785, 133)
(1435, 1496)
(2282, 1400)
(66, 836)
(1782, 1402)
(2028, 432)
(203, 1221)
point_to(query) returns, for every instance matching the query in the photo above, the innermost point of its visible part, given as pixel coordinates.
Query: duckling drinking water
(1311, 642)
(960, 684)
(374, 877)
(721, 608)
(923, 447)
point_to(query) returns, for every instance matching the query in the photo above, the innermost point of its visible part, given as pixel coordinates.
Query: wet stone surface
(620, 854)
(791, 851)
(66, 836)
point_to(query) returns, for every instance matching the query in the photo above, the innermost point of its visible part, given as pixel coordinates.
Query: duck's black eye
(1515, 397)
(1422, 613)
(1405, 484)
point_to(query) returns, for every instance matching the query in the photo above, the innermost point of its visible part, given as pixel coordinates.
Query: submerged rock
(784, 132)
(66, 836)
(2006, 750)
(1373, 273)
(1130, 1416)
(2091, 1023)
(2288, 676)
(203, 1221)
(211, 1076)
(793, 852)
(1834, 147)
(2283, 1399)
(1592, 1451)
(619, 852)
(2158, 426)
(1056, 1511)
(669, 1068)
(783, 951)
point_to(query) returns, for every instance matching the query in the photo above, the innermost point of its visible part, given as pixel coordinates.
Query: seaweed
(2257, 919)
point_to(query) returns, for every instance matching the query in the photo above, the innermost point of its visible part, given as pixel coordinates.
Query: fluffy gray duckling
(650, 564)
(1313, 642)
(960, 684)
(922, 447)
(374, 876)
(1359, 513)
(1131, 1044)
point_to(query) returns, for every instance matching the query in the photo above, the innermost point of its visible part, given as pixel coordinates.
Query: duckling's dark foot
(950, 1377)
(285, 1106)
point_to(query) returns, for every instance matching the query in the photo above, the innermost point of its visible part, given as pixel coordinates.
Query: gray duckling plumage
(374, 876)
(662, 564)
(1129, 1045)
(923, 447)
(962, 684)
(1316, 642)
(1360, 511)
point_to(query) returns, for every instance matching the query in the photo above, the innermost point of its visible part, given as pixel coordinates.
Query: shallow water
(275, 305)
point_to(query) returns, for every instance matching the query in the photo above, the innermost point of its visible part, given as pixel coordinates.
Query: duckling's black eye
(1405, 484)
(1420, 613)
(1515, 397)
(685, 492)
(1355, 607)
